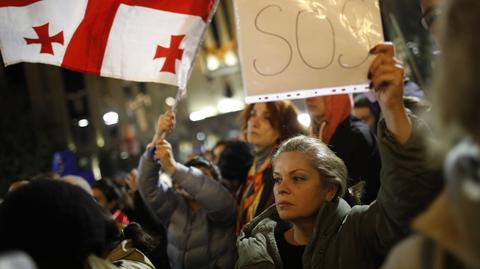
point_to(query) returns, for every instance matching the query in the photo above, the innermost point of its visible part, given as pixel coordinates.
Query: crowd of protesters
(386, 179)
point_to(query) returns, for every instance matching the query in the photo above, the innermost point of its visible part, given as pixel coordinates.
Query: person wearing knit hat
(234, 163)
(58, 224)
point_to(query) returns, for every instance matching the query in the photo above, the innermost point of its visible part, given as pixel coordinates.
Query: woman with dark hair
(266, 126)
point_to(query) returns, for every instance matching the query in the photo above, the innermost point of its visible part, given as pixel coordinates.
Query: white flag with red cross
(138, 40)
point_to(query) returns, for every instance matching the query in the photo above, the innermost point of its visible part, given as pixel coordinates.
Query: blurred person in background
(70, 229)
(17, 182)
(108, 195)
(350, 139)
(364, 110)
(266, 125)
(431, 10)
(137, 211)
(234, 163)
(217, 150)
(447, 233)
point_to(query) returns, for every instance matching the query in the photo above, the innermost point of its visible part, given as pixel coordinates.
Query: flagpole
(173, 108)
(178, 98)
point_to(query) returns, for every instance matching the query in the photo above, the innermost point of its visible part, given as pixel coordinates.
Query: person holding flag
(198, 212)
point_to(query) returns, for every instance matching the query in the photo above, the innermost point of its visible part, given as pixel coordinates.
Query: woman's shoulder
(264, 223)
(256, 243)
(125, 253)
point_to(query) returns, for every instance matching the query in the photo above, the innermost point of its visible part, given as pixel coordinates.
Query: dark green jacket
(357, 237)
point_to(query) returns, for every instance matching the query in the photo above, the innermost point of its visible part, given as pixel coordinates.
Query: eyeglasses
(430, 16)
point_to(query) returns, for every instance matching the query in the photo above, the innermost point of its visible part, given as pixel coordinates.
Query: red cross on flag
(138, 40)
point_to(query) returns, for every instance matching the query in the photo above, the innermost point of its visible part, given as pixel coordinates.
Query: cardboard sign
(292, 49)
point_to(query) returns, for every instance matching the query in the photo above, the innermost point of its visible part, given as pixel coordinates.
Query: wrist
(398, 122)
(156, 137)
(392, 104)
(170, 169)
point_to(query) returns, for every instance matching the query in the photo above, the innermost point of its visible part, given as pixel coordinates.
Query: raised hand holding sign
(298, 49)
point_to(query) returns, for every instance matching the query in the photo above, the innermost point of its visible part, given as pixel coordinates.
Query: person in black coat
(350, 139)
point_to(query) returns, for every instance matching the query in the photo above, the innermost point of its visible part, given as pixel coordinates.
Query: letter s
(255, 66)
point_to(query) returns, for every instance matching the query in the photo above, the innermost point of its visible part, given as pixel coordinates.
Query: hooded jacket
(196, 239)
(354, 143)
(361, 236)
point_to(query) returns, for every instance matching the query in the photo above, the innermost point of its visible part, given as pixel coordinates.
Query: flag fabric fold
(137, 40)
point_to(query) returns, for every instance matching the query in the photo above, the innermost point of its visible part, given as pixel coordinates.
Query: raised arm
(213, 197)
(158, 196)
(386, 74)
(408, 184)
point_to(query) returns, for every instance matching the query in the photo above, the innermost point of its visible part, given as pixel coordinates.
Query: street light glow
(304, 119)
(83, 123)
(110, 118)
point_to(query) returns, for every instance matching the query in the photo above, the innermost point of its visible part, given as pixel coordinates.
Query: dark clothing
(355, 144)
(267, 199)
(291, 255)
(141, 214)
(448, 234)
(358, 237)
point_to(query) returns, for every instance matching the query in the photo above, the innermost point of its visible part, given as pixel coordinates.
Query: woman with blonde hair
(310, 225)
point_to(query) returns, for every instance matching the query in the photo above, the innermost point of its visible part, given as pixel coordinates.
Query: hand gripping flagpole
(173, 108)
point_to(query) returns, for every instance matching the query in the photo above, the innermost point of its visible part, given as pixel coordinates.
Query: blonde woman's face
(260, 132)
(299, 192)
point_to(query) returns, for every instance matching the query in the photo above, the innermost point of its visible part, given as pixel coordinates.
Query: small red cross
(45, 39)
(171, 54)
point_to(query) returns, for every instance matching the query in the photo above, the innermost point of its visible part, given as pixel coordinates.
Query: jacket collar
(329, 219)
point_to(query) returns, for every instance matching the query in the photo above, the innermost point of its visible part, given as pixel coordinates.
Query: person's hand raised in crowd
(165, 124)
(386, 75)
(164, 154)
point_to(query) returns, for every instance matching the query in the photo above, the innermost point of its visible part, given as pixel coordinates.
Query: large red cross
(172, 54)
(87, 46)
(44, 39)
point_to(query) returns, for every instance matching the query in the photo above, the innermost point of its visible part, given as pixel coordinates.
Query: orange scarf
(251, 194)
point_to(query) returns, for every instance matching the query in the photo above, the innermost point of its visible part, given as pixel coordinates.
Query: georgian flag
(138, 40)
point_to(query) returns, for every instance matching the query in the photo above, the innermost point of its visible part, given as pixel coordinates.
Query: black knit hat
(56, 223)
(235, 160)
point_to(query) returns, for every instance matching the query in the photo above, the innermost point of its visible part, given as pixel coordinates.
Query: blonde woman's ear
(331, 192)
